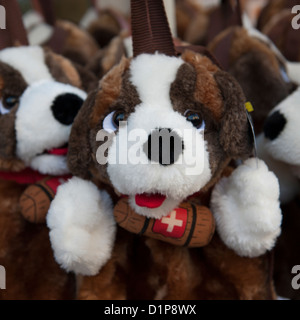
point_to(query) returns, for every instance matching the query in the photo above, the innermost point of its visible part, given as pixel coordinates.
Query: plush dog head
(187, 104)
(41, 93)
(282, 139)
(258, 67)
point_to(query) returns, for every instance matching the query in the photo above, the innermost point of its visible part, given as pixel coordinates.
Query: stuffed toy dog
(41, 93)
(278, 145)
(257, 65)
(280, 21)
(167, 209)
(276, 21)
(61, 36)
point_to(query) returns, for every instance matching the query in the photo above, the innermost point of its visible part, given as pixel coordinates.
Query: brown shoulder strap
(15, 33)
(46, 9)
(150, 28)
(227, 15)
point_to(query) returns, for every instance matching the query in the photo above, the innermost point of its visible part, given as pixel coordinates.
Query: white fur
(152, 75)
(90, 16)
(293, 69)
(37, 130)
(286, 147)
(247, 209)
(82, 227)
(40, 34)
(289, 184)
(29, 61)
(31, 18)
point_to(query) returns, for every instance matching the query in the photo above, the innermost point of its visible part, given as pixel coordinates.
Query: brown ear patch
(79, 45)
(62, 69)
(235, 134)
(206, 89)
(110, 90)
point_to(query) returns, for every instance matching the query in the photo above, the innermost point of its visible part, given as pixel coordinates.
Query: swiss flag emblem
(172, 226)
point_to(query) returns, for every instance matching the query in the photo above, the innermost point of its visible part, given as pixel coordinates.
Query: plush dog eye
(10, 102)
(7, 103)
(112, 122)
(196, 120)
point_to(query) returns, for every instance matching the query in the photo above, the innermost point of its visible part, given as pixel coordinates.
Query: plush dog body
(41, 93)
(278, 145)
(191, 94)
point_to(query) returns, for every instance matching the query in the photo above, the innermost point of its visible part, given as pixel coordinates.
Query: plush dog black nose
(164, 146)
(65, 108)
(274, 125)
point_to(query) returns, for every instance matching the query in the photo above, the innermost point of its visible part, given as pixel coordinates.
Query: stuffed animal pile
(139, 162)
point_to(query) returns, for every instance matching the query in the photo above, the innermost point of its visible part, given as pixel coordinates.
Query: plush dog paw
(82, 227)
(247, 209)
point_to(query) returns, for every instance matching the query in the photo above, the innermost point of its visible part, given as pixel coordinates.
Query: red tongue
(150, 201)
(58, 152)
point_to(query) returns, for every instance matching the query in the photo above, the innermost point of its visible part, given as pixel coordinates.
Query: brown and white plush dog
(257, 65)
(279, 146)
(61, 36)
(41, 93)
(158, 90)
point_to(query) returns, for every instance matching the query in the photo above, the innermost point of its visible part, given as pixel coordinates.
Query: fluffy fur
(248, 215)
(82, 228)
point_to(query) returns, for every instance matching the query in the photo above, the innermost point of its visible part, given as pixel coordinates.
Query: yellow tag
(249, 107)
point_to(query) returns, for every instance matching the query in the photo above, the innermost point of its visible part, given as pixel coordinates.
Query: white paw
(82, 227)
(247, 209)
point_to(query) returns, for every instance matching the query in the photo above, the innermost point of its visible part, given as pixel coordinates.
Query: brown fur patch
(78, 41)
(26, 253)
(242, 43)
(62, 69)
(111, 86)
(207, 91)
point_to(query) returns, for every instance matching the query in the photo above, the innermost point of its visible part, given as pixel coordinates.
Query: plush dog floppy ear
(80, 156)
(235, 133)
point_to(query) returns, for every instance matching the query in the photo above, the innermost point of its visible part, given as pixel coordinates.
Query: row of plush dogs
(54, 104)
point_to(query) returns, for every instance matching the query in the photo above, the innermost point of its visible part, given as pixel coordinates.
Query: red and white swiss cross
(173, 225)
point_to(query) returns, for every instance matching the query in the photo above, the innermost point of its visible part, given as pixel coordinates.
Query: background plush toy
(62, 36)
(41, 93)
(194, 94)
(275, 21)
(278, 145)
(257, 65)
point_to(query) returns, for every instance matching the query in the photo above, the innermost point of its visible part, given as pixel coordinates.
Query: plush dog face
(198, 106)
(282, 139)
(40, 98)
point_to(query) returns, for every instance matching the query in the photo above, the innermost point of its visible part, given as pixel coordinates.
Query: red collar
(27, 176)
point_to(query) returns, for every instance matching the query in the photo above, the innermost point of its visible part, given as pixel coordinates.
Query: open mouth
(150, 200)
(62, 151)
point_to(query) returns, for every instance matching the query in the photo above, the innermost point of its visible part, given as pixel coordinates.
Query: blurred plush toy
(61, 36)
(279, 147)
(41, 93)
(165, 201)
(280, 21)
(257, 65)
(276, 21)
(199, 26)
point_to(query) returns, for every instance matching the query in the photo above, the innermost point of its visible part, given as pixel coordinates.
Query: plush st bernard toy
(202, 108)
(41, 93)
(279, 146)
